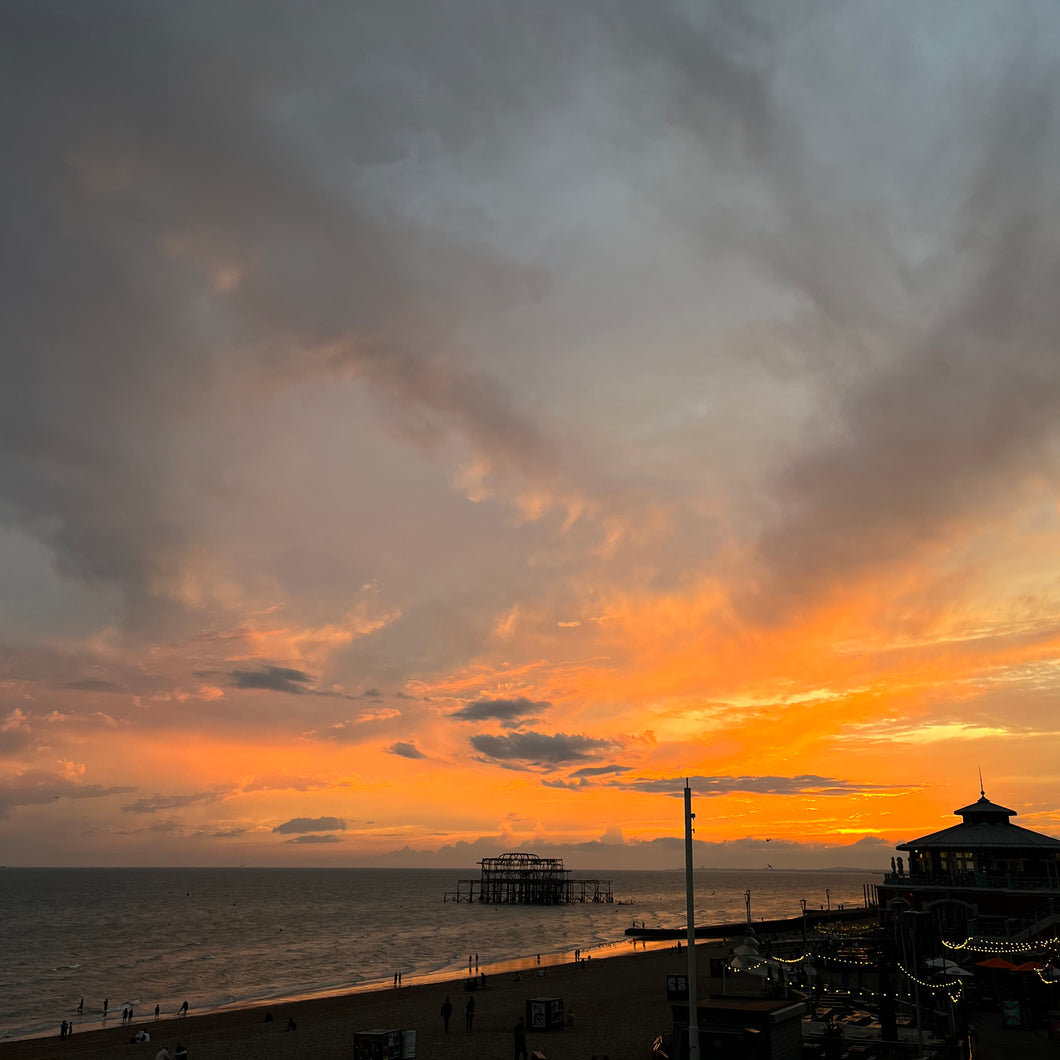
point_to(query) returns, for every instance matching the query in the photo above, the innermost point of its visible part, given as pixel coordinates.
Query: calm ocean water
(236, 937)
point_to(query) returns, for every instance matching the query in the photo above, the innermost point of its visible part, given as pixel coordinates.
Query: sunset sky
(439, 428)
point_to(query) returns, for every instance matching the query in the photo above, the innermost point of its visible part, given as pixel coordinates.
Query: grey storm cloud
(405, 749)
(311, 824)
(516, 710)
(273, 679)
(806, 784)
(539, 749)
(157, 181)
(179, 200)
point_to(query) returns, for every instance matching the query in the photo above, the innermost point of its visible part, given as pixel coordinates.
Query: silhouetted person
(158, 1009)
(62, 1029)
(520, 1040)
(447, 1013)
(469, 1013)
(183, 1010)
(81, 1006)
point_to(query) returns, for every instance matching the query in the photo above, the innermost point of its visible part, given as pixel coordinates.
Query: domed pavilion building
(985, 877)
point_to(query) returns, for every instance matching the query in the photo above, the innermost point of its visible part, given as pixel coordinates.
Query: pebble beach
(615, 1007)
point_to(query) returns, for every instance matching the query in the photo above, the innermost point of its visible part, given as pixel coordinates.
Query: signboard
(677, 988)
(544, 1014)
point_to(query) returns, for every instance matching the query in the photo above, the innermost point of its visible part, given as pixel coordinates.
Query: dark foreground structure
(964, 949)
(525, 879)
(986, 880)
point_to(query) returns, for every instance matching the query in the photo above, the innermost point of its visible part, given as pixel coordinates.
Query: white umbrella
(944, 964)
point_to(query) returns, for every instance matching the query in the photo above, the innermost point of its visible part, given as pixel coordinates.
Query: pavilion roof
(985, 825)
(985, 835)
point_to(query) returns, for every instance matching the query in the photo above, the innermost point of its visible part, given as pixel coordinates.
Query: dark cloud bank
(154, 149)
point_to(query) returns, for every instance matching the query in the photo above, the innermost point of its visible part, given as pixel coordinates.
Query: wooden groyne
(721, 931)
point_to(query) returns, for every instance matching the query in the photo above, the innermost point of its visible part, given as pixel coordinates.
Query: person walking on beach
(520, 1040)
(106, 1002)
(447, 1012)
(469, 1013)
(183, 1010)
(158, 1009)
(81, 1006)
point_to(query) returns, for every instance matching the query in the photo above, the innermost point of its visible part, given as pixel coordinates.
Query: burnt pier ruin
(525, 879)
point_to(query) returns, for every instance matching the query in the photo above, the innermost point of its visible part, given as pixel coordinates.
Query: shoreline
(452, 977)
(640, 939)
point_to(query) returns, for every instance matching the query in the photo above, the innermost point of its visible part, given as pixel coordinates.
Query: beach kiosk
(742, 1028)
(377, 1045)
(544, 1014)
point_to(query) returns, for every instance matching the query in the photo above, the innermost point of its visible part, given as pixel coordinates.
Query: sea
(223, 938)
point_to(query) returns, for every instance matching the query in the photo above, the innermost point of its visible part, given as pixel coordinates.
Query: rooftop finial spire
(981, 790)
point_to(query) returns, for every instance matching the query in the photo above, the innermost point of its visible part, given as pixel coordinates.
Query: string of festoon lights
(846, 961)
(952, 988)
(984, 946)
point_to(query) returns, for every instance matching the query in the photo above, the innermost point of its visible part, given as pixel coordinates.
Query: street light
(803, 901)
(828, 895)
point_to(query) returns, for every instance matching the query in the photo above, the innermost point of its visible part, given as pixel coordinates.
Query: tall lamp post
(690, 907)
(828, 896)
(803, 901)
